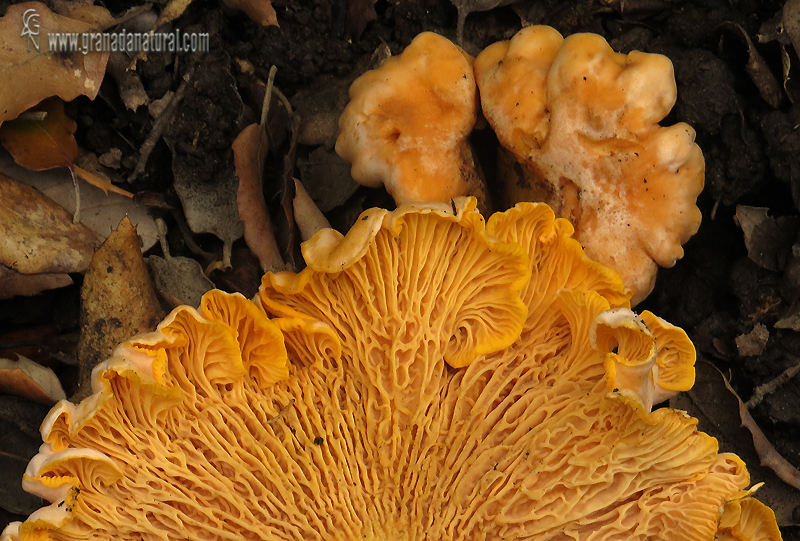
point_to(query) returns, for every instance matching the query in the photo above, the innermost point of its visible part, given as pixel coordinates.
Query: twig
(188, 236)
(268, 95)
(76, 216)
(769, 456)
(281, 414)
(162, 238)
(762, 391)
(284, 100)
(159, 125)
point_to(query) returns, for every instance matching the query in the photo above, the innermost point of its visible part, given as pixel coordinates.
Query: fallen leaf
(757, 68)
(249, 152)
(768, 240)
(111, 159)
(47, 143)
(753, 343)
(117, 301)
(29, 380)
(14, 284)
(202, 164)
(179, 280)
(326, 176)
(39, 235)
(791, 22)
(790, 319)
(99, 212)
(37, 75)
(308, 217)
(42, 144)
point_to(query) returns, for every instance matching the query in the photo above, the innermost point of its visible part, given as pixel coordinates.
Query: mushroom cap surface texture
(427, 376)
(583, 121)
(407, 123)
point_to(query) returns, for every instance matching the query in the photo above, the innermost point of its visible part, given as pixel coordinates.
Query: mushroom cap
(407, 123)
(747, 519)
(448, 379)
(584, 121)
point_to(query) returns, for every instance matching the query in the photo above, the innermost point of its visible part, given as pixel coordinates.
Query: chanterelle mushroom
(583, 121)
(447, 380)
(407, 123)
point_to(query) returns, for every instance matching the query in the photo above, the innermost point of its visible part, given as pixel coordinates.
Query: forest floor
(737, 77)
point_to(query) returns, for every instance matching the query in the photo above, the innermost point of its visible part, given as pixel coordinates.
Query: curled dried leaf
(38, 74)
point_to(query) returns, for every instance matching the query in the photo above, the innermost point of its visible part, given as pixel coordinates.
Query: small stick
(282, 413)
(268, 95)
(76, 217)
(160, 125)
(762, 391)
(767, 453)
(284, 101)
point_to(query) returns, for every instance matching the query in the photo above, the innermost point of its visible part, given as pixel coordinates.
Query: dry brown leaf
(39, 75)
(179, 280)
(757, 68)
(47, 143)
(326, 176)
(205, 177)
(768, 240)
(38, 235)
(98, 181)
(27, 379)
(117, 301)
(791, 22)
(39, 144)
(14, 284)
(249, 152)
(753, 343)
(99, 212)
(308, 217)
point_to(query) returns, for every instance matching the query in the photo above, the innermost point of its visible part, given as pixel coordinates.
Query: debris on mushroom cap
(407, 123)
(448, 380)
(583, 121)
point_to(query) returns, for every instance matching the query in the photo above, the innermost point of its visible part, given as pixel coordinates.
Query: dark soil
(738, 303)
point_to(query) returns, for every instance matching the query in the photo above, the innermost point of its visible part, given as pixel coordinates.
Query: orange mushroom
(583, 122)
(448, 379)
(407, 123)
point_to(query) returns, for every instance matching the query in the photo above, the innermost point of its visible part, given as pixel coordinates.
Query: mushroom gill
(446, 379)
